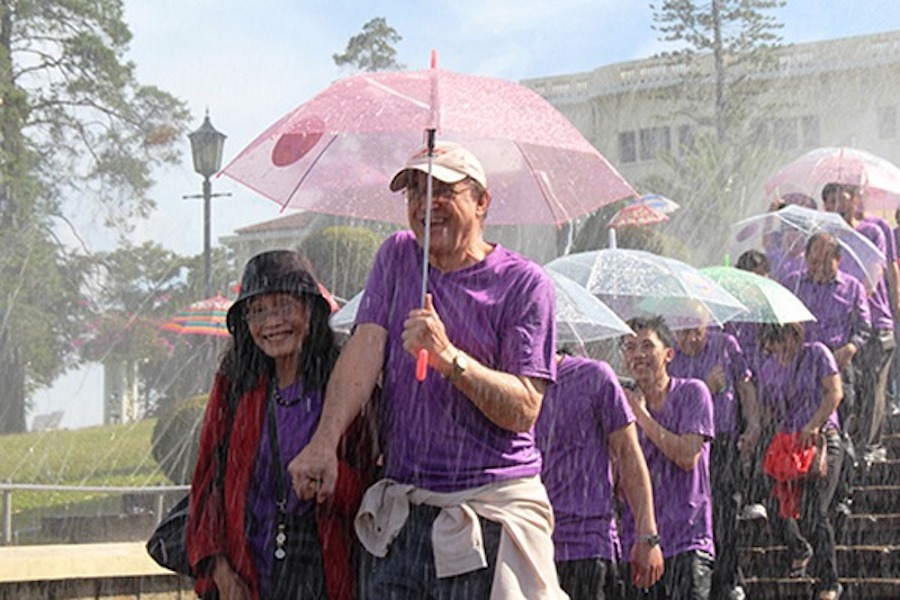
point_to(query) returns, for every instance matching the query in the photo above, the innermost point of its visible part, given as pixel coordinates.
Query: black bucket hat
(276, 271)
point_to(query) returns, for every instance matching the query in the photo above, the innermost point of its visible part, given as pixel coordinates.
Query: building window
(887, 122)
(653, 141)
(809, 131)
(685, 139)
(627, 147)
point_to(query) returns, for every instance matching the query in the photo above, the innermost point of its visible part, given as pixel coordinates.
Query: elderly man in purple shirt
(585, 427)
(461, 512)
(873, 362)
(675, 427)
(839, 303)
(716, 358)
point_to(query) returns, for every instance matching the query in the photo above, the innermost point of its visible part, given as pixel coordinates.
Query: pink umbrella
(809, 173)
(636, 215)
(335, 153)
(204, 317)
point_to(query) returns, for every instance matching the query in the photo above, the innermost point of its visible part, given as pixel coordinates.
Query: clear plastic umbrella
(767, 301)
(782, 234)
(809, 173)
(634, 282)
(580, 316)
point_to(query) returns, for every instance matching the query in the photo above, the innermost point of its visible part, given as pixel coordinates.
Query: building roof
(290, 221)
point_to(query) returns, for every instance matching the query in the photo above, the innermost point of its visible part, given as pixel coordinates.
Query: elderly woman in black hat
(248, 536)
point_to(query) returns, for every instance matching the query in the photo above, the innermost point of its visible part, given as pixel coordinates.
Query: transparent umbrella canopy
(634, 283)
(783, 234)
(767, 301)
(580, 316)
(809, 173)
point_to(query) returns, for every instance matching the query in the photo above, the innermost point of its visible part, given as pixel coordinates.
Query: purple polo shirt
(879, 301)
(578, 413)
(501, 313)
(747, 336)
(840, 308)
(296, 424)
(782, 264)
(794, 392)
(720, 348)
(882, 316)
(682, 499)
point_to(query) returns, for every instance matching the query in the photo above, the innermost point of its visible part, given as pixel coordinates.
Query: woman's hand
(716, 380)
(228, 582)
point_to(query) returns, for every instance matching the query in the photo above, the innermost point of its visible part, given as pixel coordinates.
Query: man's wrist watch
(651, 540)
(459, 365)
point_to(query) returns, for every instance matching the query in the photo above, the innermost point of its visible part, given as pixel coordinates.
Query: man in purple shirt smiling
(839, 304)
(585, 427)
(675, 427)
(716, 358)
(461, 512)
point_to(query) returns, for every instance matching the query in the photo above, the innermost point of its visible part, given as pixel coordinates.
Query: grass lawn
(116, 455)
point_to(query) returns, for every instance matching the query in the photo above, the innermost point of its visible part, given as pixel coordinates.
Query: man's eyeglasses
(443, 191)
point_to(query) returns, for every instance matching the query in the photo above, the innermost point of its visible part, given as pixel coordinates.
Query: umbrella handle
(422, 365)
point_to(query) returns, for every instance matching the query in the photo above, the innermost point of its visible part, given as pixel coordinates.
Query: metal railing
(7, 490)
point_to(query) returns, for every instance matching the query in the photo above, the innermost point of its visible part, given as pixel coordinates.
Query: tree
(342, 257)
(75, 125)
(726, 49)
(373, 49)
(139, 288)
(740, 39)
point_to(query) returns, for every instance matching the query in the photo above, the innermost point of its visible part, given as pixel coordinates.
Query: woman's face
(278, 324)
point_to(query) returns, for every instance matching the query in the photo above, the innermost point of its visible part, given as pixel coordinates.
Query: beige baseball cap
(451, 163)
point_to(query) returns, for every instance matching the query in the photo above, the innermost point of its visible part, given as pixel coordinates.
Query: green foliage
(75, 124)
(342, 257)
(109, 455)
(725, 45)
(176, 439)
(373, 49)
(738, 37)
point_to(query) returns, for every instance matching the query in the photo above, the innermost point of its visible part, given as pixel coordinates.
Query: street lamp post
(206, 149)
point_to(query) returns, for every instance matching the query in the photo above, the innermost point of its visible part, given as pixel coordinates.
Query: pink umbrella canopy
(636, 215)
(809, 173)
(336, 153)
(204, 317)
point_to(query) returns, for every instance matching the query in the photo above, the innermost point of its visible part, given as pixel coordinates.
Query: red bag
(788, 463)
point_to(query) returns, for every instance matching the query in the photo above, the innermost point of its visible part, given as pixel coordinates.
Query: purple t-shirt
(682, 499)
(794, 392)
(879, 301)
(501, 313)
(747, 336)
(579, 411)
(296, 424)
(783, 264)
(720, 348)
(840, 308)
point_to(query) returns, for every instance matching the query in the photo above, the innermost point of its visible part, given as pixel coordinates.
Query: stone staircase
(868, 540)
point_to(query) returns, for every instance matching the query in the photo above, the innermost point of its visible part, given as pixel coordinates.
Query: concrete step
(859, 561)
(759, 588)
(883, 473)
(853, 530)
(876, 499)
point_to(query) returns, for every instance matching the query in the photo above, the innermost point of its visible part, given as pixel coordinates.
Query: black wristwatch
(650, 540)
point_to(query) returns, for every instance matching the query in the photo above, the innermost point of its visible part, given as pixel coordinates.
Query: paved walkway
(76, 561)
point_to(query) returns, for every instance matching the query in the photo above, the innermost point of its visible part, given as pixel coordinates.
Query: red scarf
(210, 531)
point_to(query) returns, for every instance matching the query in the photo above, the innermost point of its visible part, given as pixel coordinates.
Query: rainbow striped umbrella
(204, 317)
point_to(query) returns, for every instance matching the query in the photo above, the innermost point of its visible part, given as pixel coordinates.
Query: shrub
(176, 439)
(342, 257)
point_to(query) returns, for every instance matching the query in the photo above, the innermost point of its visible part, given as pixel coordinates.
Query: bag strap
(280, 491)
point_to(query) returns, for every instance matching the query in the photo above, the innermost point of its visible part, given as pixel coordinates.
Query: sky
(248, 62)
